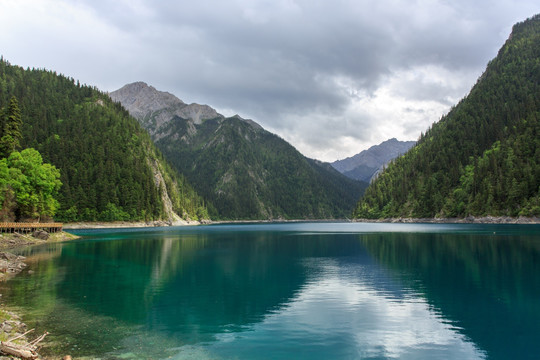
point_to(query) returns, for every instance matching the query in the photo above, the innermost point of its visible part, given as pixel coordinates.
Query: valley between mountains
(244, 171)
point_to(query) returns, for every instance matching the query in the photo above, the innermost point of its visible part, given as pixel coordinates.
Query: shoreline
(11, 324)
(16, 240)
(468, 220)
(126, 224)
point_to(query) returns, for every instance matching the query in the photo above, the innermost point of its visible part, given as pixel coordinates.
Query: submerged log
(26, 351)
(20, 351)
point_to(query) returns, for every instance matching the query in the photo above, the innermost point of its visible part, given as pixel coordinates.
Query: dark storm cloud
(282, 56)
(332, 76)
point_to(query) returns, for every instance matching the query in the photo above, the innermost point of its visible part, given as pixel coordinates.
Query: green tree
(34, 184)
(7, 201)
(11, 135)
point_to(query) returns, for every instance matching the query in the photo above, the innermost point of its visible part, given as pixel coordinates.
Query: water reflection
(339, 316)
(287, 291)
(488, 285)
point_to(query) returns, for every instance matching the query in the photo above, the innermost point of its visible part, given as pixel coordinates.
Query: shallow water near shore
(282, 291)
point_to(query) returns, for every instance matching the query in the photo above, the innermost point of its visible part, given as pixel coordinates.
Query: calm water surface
(288, 291)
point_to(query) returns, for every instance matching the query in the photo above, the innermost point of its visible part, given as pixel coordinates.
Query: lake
(287, 291)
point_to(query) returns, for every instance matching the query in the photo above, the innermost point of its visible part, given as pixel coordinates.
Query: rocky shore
(12, 241)
(467, 220)
(12, 330)
(128, 224)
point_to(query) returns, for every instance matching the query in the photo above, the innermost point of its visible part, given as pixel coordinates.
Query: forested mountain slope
(243, 170)
(110, 170)
(483, 157)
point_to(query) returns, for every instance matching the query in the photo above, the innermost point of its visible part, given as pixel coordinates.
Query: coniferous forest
(483, 157)
(247, 172)
(108, 165)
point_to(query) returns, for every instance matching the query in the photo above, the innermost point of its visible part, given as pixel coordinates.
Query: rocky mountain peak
(154, 109)
(139, 99)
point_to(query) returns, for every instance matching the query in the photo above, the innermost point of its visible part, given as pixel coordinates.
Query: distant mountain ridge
(244, 171)
(368, 163)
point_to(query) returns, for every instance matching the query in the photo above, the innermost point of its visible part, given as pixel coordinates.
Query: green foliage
(7, 196)
(248, 173)
(29, 185)
(483, 157)
(103, 154)
(113, 213)
(10, 129)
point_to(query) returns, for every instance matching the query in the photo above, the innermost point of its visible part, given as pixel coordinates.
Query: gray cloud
(333, 77)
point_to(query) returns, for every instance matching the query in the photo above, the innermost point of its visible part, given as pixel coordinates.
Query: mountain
(483, 157)
(110, 169)
(367, 164)
(155, 108)
(244, 171)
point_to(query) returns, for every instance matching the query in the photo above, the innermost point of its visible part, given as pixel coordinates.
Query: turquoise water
(287, 291)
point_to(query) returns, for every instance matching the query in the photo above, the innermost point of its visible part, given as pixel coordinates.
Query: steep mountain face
(110, 169)
(243, 170)
(367, 164)
(483, 157)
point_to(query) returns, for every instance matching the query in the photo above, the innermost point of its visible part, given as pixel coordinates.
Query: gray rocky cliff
(154, 108)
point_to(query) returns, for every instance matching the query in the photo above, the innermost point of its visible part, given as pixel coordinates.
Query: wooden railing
(13, 227)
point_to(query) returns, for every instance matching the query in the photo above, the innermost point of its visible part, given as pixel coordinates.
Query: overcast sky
(332, 77)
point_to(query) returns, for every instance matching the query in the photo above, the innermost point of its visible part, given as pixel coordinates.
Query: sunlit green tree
(34, 184)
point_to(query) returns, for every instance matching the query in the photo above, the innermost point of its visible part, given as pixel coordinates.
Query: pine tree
(11, 129)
